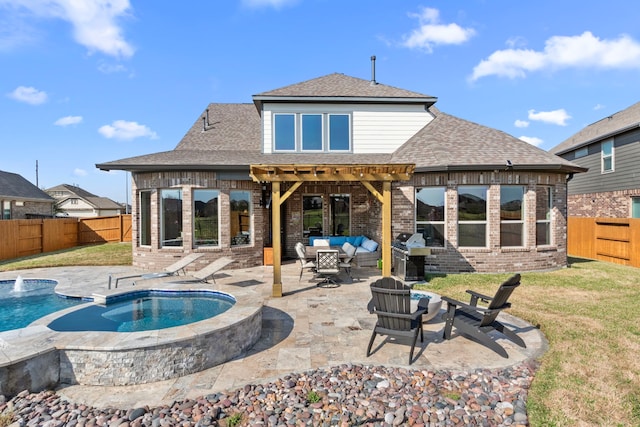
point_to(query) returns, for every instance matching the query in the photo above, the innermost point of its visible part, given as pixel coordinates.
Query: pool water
(144, 311)
(35, 299)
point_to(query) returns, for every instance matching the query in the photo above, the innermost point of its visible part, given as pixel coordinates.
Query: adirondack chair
(477, 322)
(391, 302)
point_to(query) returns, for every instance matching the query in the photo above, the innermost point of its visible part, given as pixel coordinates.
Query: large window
(607, 156)
(171, 217)
(340, 223)
(635, 207)
(205, 217)
(312, 218)
(6, 209)
(544, 204)
(472, 216)
(311, 132)
(144, 234)
(240, 217)
(511, 215)
(430, 215)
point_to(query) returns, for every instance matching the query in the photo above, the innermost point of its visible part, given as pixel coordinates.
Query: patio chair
(171, 270)
(302, 257)
(328, 266)
(391, 302)
(477, 322)
(210, 270)
(345, 263)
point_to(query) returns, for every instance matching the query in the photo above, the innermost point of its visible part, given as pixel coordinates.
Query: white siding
(375, 128)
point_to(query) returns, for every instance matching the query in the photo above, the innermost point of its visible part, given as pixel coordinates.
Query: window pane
(607, 148)
(285, 132)
(472, 203)
(635, 207)
(340, 223)
(543, 203)
(511, 198)
(205, 217)
(433, 234)
(511, 234)
(472, 235)
(430, 204)
(312, 216)
(240, 220)
(543, 233)
(312, 132)
(145, 218)
(339, 132)
(171, 233)
(607, 164)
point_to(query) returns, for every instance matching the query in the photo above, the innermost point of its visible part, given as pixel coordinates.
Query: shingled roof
(229, 136)
(95, 201)
(607, 127)
(15, 186)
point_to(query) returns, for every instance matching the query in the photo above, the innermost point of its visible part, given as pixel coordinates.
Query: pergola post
(386, 229)
(277, 241)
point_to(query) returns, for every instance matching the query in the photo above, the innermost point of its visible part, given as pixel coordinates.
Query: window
(472, 216)
(312, 218)
(144, 234)
(317, 132)
(240, 217)
(284, 132)
(544, 206)
(205, 217)
(430, 215)
(6, 209)
(511, 215)
(607, 156)
(635, 207)
(74, 201)
(582, 152)
(340, 223)
(171, 217)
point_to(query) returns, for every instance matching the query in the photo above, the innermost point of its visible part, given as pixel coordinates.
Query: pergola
(296, 174)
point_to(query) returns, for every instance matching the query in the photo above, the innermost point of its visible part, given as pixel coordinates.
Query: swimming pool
(144, 311)
(23, 301)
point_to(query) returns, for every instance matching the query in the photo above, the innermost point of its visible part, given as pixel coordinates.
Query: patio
(309, 327)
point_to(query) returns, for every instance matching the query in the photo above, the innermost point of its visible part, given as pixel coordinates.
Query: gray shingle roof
(233, 137)
(341, 86)
(449, 142)
(604, 128)
(95, 201)
(15, 186)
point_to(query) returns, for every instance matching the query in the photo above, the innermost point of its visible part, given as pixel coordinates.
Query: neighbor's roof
(229, 136)
(15, 186)
(607, 127)
(95, 201)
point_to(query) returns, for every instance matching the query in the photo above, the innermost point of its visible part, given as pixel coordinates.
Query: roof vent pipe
(373, 70)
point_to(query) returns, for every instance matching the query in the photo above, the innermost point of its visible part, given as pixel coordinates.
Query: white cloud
(122, 129)
(111, 68)
(532, 140)
(521, 124)
(68, 120)
(95, 22)
(431, 32)
(583, 51)
(79, 172)
(276, 4)
(555, 117)
(30, 95)
(598, 107)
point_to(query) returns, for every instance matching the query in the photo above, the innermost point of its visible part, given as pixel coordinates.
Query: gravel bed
(345, 395)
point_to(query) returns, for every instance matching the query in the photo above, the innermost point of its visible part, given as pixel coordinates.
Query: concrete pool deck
(309, 327)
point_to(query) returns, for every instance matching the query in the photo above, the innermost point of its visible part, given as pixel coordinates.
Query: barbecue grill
(409, 253)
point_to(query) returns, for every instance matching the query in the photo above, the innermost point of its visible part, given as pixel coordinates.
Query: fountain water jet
(18, 286)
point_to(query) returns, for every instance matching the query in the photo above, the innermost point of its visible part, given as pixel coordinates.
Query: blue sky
(86, 82)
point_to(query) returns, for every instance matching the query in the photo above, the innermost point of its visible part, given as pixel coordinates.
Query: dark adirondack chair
(477, 322)
(391, 302)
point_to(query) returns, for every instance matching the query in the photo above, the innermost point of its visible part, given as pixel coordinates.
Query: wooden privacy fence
(614, 240)
(23, 237)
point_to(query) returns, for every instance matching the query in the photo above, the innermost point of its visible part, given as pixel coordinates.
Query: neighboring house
(338, 153)
(610, 149)
(20, 199)
(75, 202)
